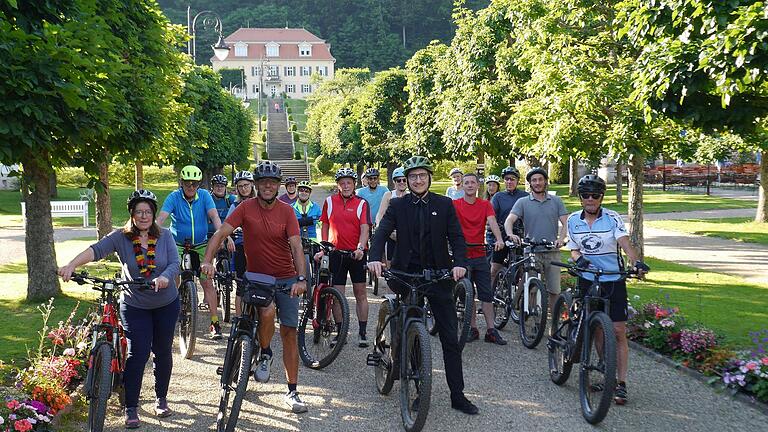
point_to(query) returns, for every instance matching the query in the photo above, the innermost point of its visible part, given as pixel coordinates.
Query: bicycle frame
(110, 329)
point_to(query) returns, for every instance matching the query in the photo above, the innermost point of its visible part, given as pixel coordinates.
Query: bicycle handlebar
(526, 242)
(83, 278)
(426, 276)
(595, 271)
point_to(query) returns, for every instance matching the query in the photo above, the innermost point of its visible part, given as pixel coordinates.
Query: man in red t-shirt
(273, 247)
(473, 214)
(346, 223)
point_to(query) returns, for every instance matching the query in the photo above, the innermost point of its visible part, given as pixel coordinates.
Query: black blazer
(444, 228)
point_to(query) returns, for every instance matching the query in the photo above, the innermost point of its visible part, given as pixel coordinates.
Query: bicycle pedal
(219, 370)
(373, 359)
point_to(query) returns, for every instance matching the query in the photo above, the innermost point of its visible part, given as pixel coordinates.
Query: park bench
(65, 209)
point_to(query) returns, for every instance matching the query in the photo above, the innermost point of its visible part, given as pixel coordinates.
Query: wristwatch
(301, 278)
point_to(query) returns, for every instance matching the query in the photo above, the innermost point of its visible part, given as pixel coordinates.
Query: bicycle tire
(386, 370)
(310, 275)
(560, 365)
(534, 321)
(225, 294)
(327, 331)
(464, 299)
(187, 328)
(375, 285)
(417, 370)
(595, 412)
(242, 354)
(502, 300)
(429, 317)
(100, 386)
(515, 284)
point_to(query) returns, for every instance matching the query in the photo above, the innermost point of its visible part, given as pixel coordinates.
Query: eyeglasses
(420, 176)
(142, 212)
(302, 190)
(594, 196)
(372, 178)
(510, 178)
(399, 180)
(244, 186)
(190, 183)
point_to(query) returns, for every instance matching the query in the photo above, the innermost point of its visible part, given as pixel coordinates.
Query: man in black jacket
(426, 223)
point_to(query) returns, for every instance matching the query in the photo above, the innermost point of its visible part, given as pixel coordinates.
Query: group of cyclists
(409, 229)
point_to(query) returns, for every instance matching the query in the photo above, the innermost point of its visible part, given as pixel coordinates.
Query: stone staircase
(280, 142)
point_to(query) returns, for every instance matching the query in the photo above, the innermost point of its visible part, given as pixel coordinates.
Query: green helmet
(191, 172)
(417, 162)
(305, 184)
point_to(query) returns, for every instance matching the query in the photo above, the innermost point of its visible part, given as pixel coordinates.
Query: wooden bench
(65, 209)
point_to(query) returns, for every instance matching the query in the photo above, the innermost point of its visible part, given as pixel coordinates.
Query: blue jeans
(148, 330)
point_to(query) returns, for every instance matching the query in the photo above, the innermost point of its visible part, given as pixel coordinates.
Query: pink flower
(764, 361)
(69, 352)
(13, 404)
(752, 365)
(22, 425)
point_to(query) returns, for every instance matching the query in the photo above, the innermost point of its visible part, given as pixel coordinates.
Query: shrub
(294, 127)
(324, 165)
(263, 137)
(264, 118)
(297, 155)
(288, 110)
(290, 118)
(264, 155)
(558, 172)
(296, 137)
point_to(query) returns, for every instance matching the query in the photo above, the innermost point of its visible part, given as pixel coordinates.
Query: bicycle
(109, 348)
(572, 342)
(241, 353)
(224, 281)
(190, 266)
(402, 318)
(320, 344)
(505, 286)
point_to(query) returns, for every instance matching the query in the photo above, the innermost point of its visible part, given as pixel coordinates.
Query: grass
(739, 229)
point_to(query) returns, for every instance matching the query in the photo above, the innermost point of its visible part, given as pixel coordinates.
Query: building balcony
(272, 79)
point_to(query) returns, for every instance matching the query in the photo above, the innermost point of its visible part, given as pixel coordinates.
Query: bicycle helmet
(417, 162)
(290, 180)
(219, 179)
(398, 172)
(591, 183)
(243, 175)
(191, 172)
(305, 184)
(346, 172)
(455, 171)
(268, 169)
(534, 171)
(371, 172)
(510, 170)
(142, 195)
(493, 178)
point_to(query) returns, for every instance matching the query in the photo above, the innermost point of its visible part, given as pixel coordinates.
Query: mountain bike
(324, 320)
(505, 288)
(242, 347)
(582, 332)
(190, 268)
(109, 348)
(402, 349)
(224, 281)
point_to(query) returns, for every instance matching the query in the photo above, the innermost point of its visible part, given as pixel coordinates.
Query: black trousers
(444, 310)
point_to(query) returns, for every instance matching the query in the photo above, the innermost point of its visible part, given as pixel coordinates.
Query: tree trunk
(619, 181)
(573, 177)
(139, 175)
(54, 185)
(43, 282)
(360, 168)
(533, 161)
(762, 211)
(390, 168)
(636, 163)
(103, 205)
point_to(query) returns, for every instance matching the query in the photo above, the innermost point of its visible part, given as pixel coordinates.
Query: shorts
(550, 273)
(342, 264)
(287, 306)
(618, 297)
(390, 248)
(479, 272)
(197, 253)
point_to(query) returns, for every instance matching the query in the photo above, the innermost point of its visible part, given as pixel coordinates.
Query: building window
(321, 70)
(305, 50)
(255, 71)
(290, 71)
(305, 71)
(255, 89)
(274, 71)
(273, 50)
(241, 50)
(290, 88)
(306, 88)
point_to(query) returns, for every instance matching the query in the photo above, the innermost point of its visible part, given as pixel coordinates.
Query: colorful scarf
(146, 264)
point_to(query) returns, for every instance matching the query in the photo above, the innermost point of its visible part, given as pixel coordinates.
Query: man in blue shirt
(373, 193)
(221, 199)
(189, 209)
(502, 204)
(307, 212)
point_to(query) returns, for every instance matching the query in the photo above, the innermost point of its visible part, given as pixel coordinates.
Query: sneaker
(263, 369)
(493, 336)
(203, 306)
(620, 395)
(292, 400)
(161, 408)
(132, 418)
(474, 334)
(362, 341)
(215, 330)
(465, 406)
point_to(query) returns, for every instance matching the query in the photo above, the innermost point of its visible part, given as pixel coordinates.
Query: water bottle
(187, 261)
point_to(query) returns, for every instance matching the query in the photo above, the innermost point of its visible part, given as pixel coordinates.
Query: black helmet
(591, 183)
(346, 172)
(289, 180)
(371, 172)
(417, 162)
(142, 195)
(219, 179)
(243, 175)
(268, 169)
(510, 170)
(534, 171)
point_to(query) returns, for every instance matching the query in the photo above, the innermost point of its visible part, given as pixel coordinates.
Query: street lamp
(210, 19)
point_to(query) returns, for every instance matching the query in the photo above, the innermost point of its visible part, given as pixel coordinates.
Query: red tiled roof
(288, 39)
(272, 34)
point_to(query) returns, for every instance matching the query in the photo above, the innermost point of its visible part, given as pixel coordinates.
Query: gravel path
(509, 384)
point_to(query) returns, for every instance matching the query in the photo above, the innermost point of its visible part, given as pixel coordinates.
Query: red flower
(13, 404)
(22, 425)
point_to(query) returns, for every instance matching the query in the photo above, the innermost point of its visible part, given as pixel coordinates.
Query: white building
(277, 60)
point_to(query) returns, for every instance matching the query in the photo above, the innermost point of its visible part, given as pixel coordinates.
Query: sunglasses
(594, 196)
(399, 180)
(189, 183)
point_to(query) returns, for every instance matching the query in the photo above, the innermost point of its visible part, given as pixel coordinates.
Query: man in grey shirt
(540, 213)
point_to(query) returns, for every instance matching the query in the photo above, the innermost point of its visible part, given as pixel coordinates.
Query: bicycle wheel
(99, 386)
(375, 285)
(320, 341)
(237, 380)
(416, 378)
(463, 297)
(224, 290)
(188, 319)
(597, 379)
(534, 320)
(559, 364)
(502, 300)
(386, 370)
(429, 317)
(515, 282)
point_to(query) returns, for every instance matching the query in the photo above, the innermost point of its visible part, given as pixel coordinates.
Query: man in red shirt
(346, 223)
(473, 214)
(273, 247)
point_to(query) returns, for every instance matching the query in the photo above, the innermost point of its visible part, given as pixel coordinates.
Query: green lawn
(740, 229)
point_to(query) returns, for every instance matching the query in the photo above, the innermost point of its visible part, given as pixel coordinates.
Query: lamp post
(262, 62)
(210, 19)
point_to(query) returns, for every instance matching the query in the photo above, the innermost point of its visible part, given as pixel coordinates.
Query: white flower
(69, 352)
(2, 420)
(31, 420)
(43, 418)
(81, 346)
(647, 325)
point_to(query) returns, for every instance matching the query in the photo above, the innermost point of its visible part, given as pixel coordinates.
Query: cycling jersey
(237, 234)
(189, 220)
(344, 218)
(597, 243)
(373, 196)
(502, 204)
(222, 207)
(473, 218)
(309, 210)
